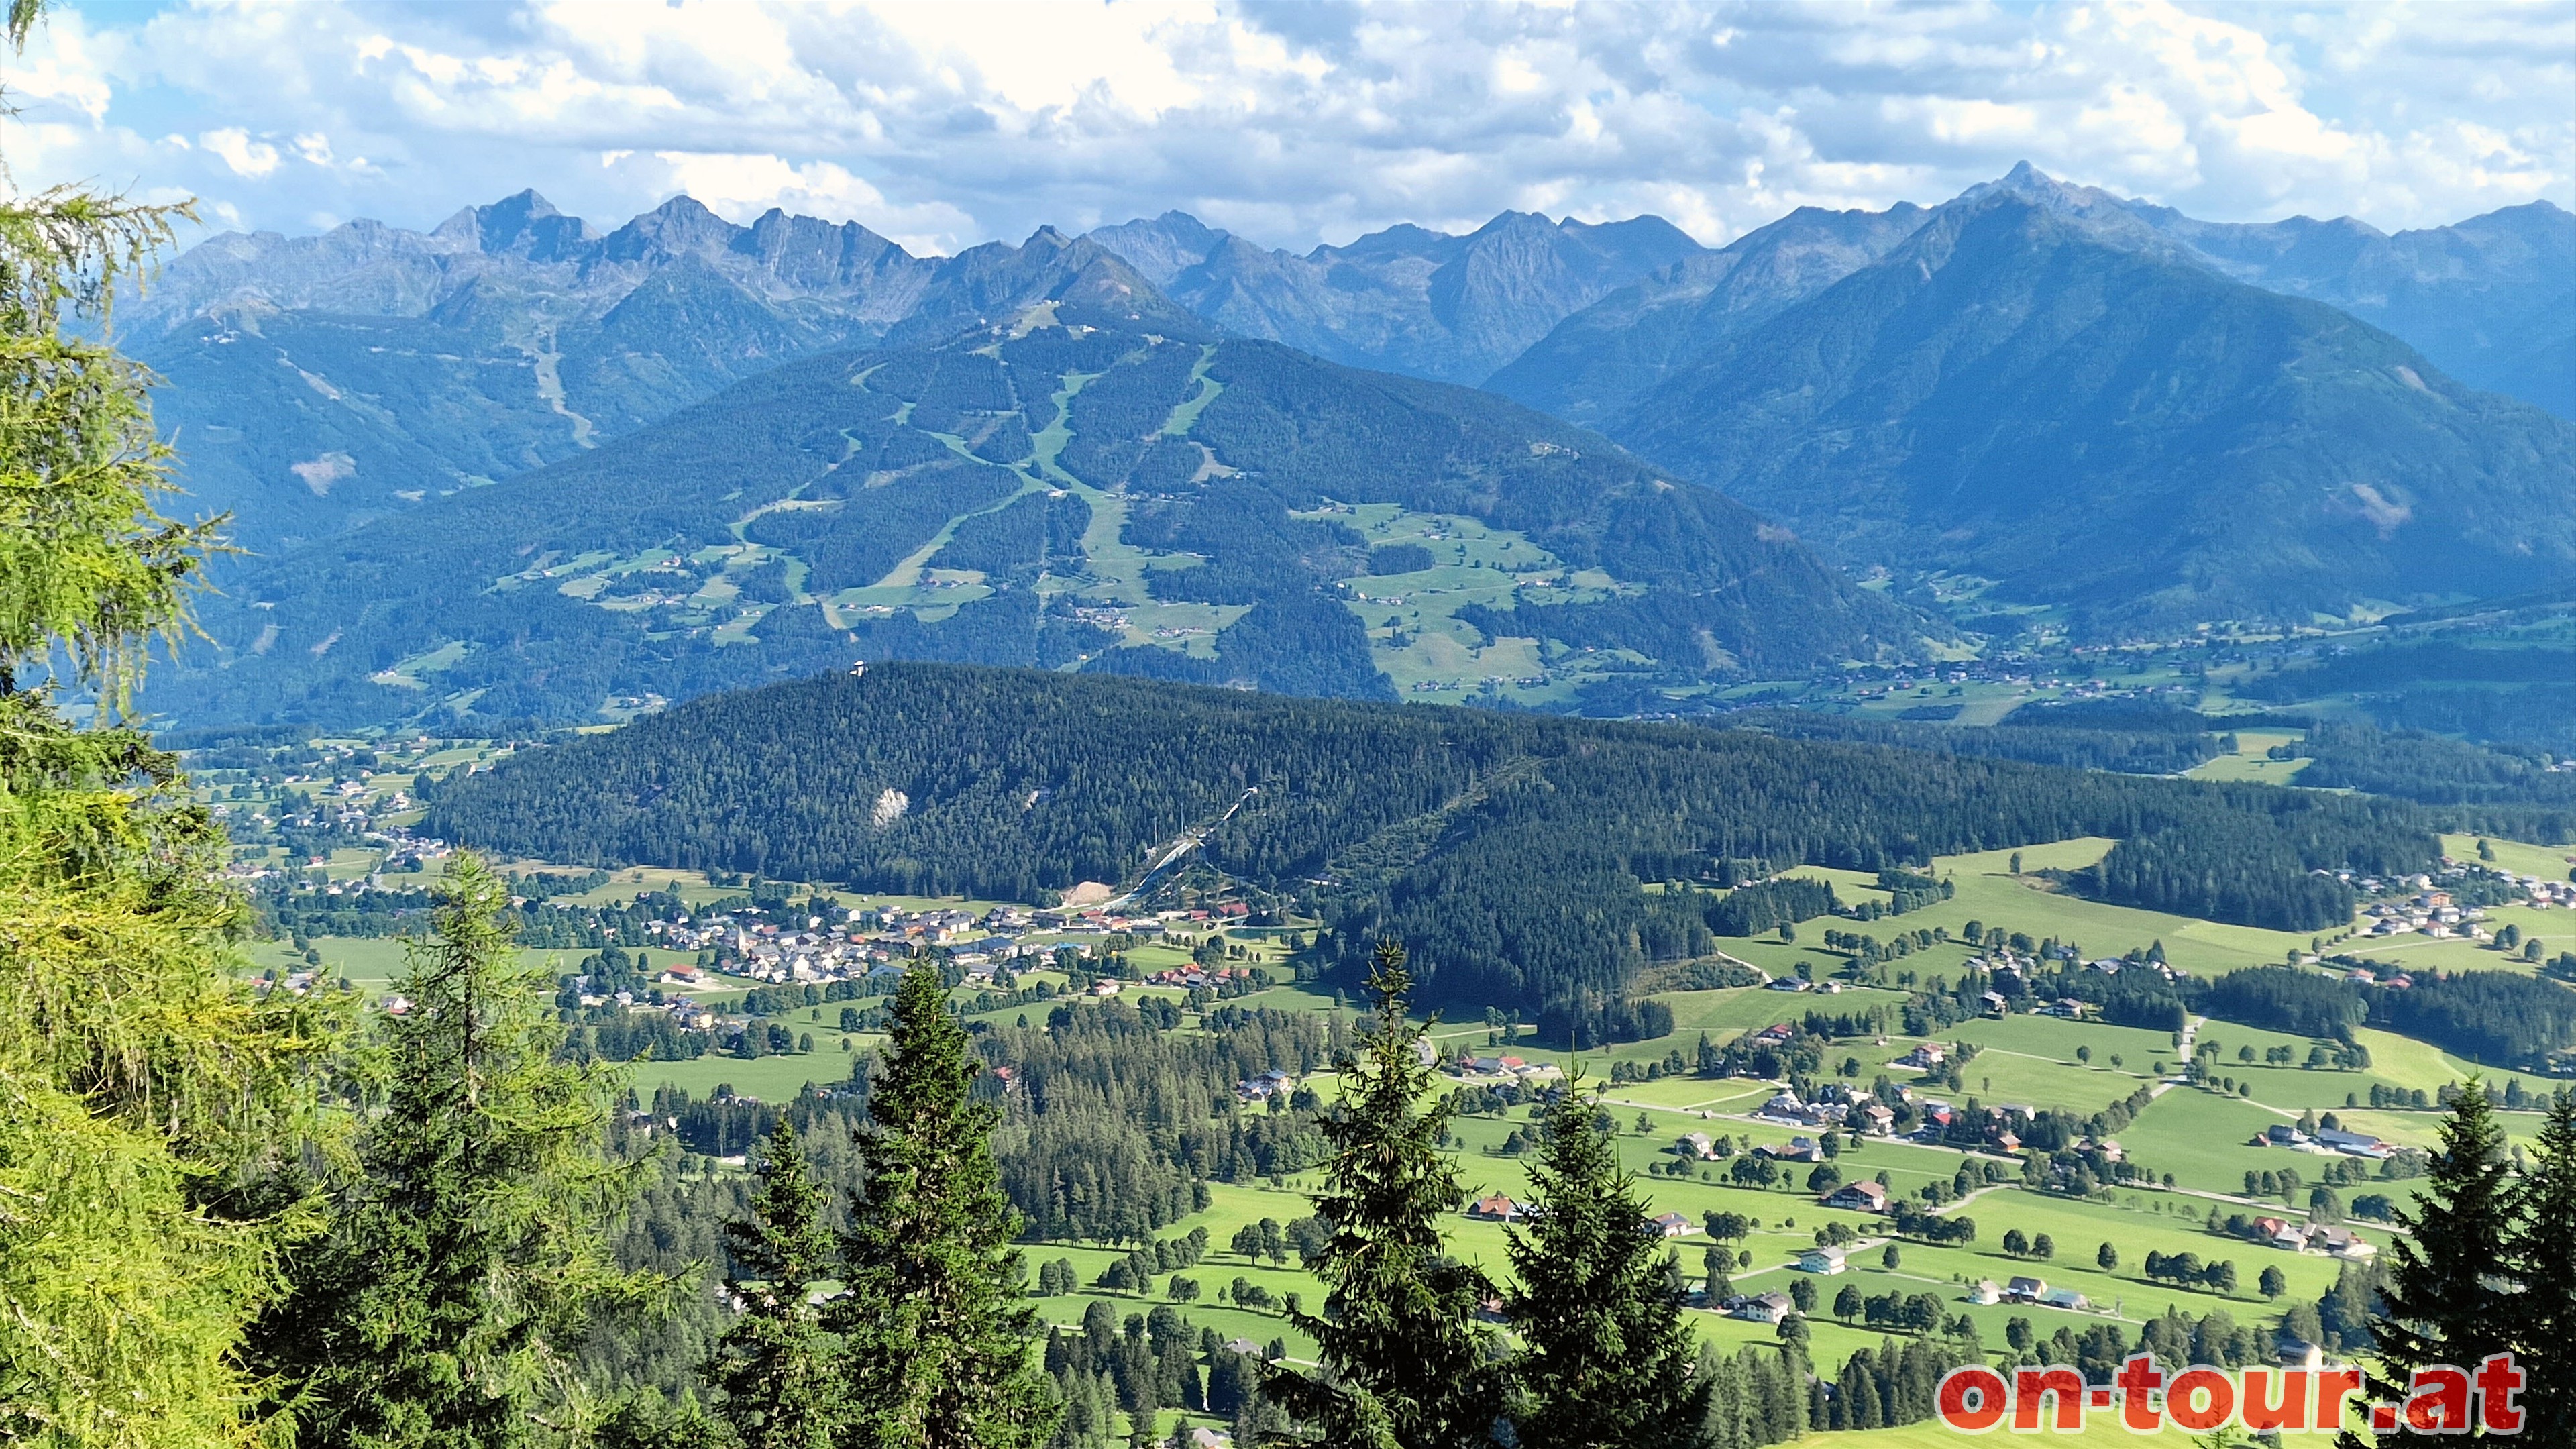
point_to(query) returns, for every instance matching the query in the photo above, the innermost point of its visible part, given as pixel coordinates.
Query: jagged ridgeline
(1508, 850)
(1077, 489)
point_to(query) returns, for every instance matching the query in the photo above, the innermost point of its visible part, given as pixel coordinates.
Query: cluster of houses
(2324, 1141)
(2432, 913)
(1502, 1067)
(1836, 1105)
(2331, 1239)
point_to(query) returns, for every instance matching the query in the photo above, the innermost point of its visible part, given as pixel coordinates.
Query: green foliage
(936, 1332)
(2542, 1257)
(86, 564)
(1404, 1365)
(2443, 1302)
(468, 1250)
(1605, 1356)
(775, 1366)
(1508, 849)
(151, 1100)
(151, 1105)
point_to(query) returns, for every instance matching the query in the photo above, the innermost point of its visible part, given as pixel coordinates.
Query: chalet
(2353, 1144)
(1765, 1307)
(1496, 1209)
(1994, 1003)
(1799, 1149)
(2066, 1007)
(2006, 1142)
(1776, 1034)
(1866, 1197)
(1673, 1225)
(1986, 1294)
(1877, 1119)
(1923, 1058)
(1785, 983)
(1820, 1260)
(2025, 1290)
(1696, 1145)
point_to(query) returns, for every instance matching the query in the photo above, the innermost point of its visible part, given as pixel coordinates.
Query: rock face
(1409, 300)
(2491, 300)
(513, 336)
(2078, 410)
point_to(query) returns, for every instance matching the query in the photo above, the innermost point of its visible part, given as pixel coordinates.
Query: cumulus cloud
(1294, 121)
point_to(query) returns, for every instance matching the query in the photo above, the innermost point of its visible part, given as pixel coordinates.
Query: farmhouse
(1861, 1196)
(1764, 1307)
(1820, 1260)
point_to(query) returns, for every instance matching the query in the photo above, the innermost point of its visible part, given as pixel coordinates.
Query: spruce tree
(2446, 1300)
(2544, 1258)
(1404, 1364)
(935, 1323)
(469, 1254)
(776, 1365)
(1606, 1359)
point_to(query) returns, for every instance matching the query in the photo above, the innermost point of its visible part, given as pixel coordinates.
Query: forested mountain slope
(1507, 850)
(2011, 397)
(1094, 484)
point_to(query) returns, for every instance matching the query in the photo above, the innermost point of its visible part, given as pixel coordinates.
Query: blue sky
(1291, 121)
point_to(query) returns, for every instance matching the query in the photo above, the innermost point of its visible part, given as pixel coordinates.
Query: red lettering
(2262, 1411)
(2437, 1401)
(2498, 1382)
(1972, 1399)
(2334, 1385)
(2192, 1383)
(2138, 1381)
(2032, 1385)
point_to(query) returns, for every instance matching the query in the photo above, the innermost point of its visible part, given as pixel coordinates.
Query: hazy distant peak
(1164, 247)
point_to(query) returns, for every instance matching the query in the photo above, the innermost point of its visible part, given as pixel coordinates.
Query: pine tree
(1404, 1365)
(2544, 1258)
(1606, 1359)
(2444, 1301)
(935, 1321)
(469, 1254)
(776, 1365)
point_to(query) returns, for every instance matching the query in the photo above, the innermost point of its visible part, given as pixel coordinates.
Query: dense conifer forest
(1509, 849)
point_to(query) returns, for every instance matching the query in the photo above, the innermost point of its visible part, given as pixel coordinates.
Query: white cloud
(245, 156)
(946, 124)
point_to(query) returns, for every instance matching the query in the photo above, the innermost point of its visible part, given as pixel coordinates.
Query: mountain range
(2014, 401)
(1098, 482)
(2034, 396)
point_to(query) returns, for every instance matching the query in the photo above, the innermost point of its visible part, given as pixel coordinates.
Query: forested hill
(1091, 484)
(1507, 849)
